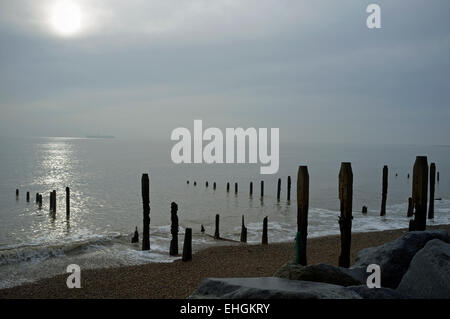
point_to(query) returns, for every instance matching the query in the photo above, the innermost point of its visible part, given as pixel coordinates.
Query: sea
(104, 176)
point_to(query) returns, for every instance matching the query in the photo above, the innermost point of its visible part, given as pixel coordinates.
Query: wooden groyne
(302, 214)
(345, 219)
(145, 190)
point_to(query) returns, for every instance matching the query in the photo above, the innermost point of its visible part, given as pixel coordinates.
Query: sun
(66, 17)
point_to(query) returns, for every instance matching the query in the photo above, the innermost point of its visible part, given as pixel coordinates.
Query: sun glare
(66, 18)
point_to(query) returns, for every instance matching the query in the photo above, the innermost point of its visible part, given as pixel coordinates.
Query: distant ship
(99, 136)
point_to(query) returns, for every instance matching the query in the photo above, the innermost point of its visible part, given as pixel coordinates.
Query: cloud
(266, 62)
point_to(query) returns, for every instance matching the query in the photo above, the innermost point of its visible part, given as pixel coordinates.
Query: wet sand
(179, 279)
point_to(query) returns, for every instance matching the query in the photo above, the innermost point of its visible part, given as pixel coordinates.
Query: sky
(141, 68)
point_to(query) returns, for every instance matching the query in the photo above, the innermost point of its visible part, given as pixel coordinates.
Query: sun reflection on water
(57, 167)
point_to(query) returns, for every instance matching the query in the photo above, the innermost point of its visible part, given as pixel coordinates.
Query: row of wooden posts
(52, 201)
(251, 188)
(418, 206)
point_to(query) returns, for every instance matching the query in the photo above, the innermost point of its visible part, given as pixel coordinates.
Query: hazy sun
(66, 17)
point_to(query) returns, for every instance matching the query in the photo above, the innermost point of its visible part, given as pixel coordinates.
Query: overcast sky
(140, 68)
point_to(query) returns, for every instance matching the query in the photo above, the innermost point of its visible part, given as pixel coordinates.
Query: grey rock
(270, 288)
(317, 273)
(394, 257)
(428, 275)
(359, 274)
(376, 293)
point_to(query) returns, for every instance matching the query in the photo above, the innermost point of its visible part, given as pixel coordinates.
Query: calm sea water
(104, 177)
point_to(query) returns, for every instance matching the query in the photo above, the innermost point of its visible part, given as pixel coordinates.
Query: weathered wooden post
(228, 187)
(384, 191)
(51, 202)
(28, 197)
(420, 193)
(289, 188)
(37, 198)
(67, 202)
(251, 188)
(17, 193)
(145, 188)
(243, 231)
(302, 213)
(345, 219)
(54, 201)
(135, 238)
(216, 232)
(214, 186)
(235, 188)
(174, 229)
(410, 207)
(432, 190)
(40, 201)
(265, 239)
(187, 246)
(279, 189)
(262, 189)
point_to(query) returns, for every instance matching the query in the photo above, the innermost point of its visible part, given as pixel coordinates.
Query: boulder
(376, 293)
(270, 287)
(394, 257)
(428, 275)
(318, 273)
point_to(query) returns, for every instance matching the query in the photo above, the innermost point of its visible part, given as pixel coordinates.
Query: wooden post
(214, 186)
(235, 188)
(251, 188)
(28, 197)
(410, 207)
(145, 188)
(302, 213)
(51, 201)
(187, 246)
(37, 198)
(345, 219)
(40, 201)
(228, 187)
(420, 193)
(206, 184)
(432, 190)
(67, 202)
(384, 191)
(264, 240)
(216, 232)
(54, 201)
(289, 188)
(202, 229)
(262, 189)
(174, 229)
(135, 238)
(243, 231)
(279, 189)
(17, 193)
